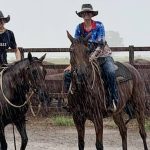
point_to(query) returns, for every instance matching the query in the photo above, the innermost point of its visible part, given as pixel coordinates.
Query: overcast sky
(43, 23)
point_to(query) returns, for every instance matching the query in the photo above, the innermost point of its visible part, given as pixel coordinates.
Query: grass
(62, 121)
(147, 124)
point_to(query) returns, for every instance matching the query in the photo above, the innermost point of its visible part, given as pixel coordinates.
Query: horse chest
(9, 114)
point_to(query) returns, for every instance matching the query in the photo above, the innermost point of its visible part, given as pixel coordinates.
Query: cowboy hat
(87, 8)
(6, 19)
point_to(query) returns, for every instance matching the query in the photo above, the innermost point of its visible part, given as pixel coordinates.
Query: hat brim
(94, 13)
(6, 19)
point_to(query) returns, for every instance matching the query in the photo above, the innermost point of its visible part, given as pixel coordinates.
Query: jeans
(67, 80)
(107, 68)
(108, 75)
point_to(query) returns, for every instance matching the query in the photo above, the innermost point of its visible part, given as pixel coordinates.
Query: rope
(32, 111)
(96, 68)
(93, 71)
(7, 100)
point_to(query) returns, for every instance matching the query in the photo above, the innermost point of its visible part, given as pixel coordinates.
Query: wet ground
(43, 136)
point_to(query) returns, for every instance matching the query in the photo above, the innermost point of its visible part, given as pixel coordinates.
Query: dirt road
(43, 136)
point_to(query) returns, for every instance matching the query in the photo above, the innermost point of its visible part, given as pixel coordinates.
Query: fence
(56, 71)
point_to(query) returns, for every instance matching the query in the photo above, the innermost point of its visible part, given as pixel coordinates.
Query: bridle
(33, 86)
(95, 67)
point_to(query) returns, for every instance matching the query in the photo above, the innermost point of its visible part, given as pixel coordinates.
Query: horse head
(79, 59)
(79, 52)
(35, 74)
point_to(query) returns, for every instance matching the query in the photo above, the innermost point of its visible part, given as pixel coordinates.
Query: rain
(58, 94)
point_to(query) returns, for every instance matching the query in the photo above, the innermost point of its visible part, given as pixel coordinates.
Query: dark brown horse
(16, 82)
(87, 100)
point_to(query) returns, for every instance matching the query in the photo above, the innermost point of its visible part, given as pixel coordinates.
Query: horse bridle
(32, 86)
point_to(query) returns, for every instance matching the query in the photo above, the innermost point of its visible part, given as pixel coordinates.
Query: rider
(7, 40)
(102, 51)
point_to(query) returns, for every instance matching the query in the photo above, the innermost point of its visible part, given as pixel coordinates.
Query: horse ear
(70, 37)
(42, 58)
(30, 57)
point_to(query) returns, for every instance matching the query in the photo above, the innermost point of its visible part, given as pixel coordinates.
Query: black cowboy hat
(6, 19)
(85, 8)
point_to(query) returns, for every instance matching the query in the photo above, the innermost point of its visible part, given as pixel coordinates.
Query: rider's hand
(101, 43)
(91, 58)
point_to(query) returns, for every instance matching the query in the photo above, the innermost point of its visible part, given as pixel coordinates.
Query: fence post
(131, 54)
(21, 52)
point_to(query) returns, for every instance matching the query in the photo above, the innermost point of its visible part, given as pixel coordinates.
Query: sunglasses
(86, 13)
(1, 20)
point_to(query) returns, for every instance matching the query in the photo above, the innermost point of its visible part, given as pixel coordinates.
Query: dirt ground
(44, 136)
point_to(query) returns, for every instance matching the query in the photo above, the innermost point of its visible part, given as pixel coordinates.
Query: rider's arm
(18, 54)
(77, 32)
(13, 46)
(100, 41)
(100, 32)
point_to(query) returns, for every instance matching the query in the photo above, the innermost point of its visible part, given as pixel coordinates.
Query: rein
(93, 72)
(94, 69)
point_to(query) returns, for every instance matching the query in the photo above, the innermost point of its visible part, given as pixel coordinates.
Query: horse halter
(33, 77)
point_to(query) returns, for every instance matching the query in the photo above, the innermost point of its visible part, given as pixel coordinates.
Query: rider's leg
(109, 77)
(67, 80)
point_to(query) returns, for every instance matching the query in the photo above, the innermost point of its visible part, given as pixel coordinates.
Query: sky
(43, 23)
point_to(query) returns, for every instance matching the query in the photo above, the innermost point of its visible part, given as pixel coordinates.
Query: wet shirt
(98, 31)
(97, 35)
(7, 40)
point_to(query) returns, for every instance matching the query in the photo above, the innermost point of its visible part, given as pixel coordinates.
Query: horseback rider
(7, 40)
(100, 50)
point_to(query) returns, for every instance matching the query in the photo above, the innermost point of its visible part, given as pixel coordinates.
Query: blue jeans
(108, 75)
(67, 80)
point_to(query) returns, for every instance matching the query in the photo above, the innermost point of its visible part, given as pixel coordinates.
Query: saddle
(122, 72)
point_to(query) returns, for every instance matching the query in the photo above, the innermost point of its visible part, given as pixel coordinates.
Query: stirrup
(114, 105)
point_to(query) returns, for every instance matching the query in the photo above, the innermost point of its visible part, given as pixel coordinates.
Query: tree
(113, 39)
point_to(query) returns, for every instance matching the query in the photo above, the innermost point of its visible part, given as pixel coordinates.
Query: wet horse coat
(87, 97)
(16, 81)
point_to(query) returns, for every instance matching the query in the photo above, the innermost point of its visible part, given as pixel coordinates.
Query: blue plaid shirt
(98, 32)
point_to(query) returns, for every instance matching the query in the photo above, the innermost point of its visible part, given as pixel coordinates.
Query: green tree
(113, 39)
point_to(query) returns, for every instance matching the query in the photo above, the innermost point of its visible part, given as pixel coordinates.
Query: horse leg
(21, 127)
(141, 121)
(99, 132)
(122, 128)
(80, 126)
(3, 144)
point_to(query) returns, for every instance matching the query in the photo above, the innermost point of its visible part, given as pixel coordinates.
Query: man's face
(87, 15)
(2, 23)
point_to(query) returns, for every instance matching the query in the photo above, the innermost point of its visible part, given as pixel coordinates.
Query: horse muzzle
(44, 98)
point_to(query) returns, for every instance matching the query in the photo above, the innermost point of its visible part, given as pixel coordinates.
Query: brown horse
(87, 100)
(16, 82)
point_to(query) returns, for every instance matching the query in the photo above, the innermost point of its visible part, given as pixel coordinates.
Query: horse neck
(15, 74)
